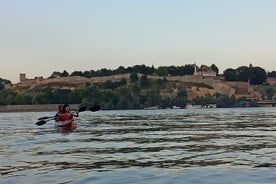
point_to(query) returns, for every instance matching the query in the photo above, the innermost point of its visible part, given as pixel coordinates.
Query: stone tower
(22, 77)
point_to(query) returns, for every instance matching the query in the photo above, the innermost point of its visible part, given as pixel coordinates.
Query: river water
(142, 146)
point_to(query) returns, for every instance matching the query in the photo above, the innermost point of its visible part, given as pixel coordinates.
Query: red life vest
(64, 117)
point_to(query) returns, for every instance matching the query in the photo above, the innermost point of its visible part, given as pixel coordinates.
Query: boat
(67, 124)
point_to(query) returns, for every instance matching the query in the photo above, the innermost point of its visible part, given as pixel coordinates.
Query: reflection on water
(119, 142)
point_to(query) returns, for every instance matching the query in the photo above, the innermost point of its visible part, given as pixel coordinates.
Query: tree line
(254, 75)
(133, 93)
(142, 69)
(139, 92)
(3, 82)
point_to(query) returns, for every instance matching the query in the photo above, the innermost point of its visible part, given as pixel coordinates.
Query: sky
(40, 37)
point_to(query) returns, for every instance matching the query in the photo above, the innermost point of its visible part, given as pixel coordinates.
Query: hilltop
(196, 86)
(141, 86)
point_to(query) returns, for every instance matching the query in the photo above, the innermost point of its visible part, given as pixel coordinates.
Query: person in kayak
(60, 111)
(66, 114)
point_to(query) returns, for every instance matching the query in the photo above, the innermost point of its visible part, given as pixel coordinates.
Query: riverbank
(33, 108)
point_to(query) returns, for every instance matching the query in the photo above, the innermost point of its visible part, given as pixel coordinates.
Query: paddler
(60, 111)
(66, 114)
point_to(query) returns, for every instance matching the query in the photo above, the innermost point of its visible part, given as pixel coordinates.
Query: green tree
(7, 97)
(272, 74)
(230, 74)
(215, 68)
(257, 76)
(77, 73)
(243, 74)
(75, 97)
(181, 98)
(122, 82)
(270, 93)
(224, 101)
(162, 71)
(120, 70)
(59, 74)
(144, 82)
(3, 82)
(133, 77)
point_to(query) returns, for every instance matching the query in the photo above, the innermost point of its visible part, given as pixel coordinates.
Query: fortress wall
(113, 78)
(33, 108)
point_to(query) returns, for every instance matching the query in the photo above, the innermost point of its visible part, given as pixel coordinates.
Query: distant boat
(176, 107)
(151, 108)
(189, 106)
(210, 106)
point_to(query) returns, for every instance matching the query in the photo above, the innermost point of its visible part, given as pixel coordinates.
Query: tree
(257, 76)
(270, 93)
(215, 68)
(243, 74)
(272, 74)
(230, 74)
(64, 73)
(133, 77)
(144, 81)
(224, 101)
(122, 82)
(59, 74)
(162, 71)
(3, 82)
(7, 97)
(77, 73)
(75, 97)
(120, 70)
(181, 98)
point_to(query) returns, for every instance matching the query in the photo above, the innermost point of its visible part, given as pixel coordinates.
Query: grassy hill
(123, 92)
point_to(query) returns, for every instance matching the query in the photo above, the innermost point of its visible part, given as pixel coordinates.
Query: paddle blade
(45, 117)
(95, 108)
(83, 108)
(39, 123)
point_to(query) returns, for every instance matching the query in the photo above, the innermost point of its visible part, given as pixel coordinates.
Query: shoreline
(33, 108)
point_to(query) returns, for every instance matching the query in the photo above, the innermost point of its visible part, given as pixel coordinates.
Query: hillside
(196, 86)
(136, 91)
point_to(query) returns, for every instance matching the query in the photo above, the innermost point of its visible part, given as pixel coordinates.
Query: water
(145, 146)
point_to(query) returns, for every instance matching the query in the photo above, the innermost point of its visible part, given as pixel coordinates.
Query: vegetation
(268, 92)
(138, 91)
(138, 94)
(142, 69)
(253, 75)
(3, 82)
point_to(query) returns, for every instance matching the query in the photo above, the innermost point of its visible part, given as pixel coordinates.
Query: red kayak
(68, 124)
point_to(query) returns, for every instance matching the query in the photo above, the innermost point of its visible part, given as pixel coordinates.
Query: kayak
(68, 124)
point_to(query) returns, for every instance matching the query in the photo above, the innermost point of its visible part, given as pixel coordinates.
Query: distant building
(22, 77)
(205, 71)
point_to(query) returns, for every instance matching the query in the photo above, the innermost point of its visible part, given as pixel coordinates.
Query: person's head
(60, 108)
(66, 108)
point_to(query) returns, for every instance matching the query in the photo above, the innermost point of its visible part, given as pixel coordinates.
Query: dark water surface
(145, 146)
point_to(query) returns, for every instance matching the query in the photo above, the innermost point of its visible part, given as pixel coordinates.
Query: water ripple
(109, 141)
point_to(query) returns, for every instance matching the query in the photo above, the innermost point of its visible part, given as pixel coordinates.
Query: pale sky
(39, 37)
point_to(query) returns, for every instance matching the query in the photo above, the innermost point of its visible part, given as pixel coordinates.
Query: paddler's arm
(57, 117)
(76, 114)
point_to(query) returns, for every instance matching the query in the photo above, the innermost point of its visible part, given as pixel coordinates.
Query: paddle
(45, 119)
(42, 122)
